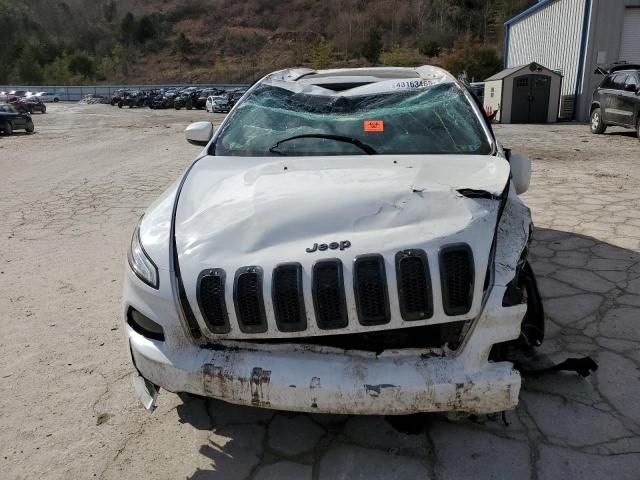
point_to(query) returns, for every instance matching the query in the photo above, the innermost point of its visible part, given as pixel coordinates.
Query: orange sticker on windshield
(374, 125)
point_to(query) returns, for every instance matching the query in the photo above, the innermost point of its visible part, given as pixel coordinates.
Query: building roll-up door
(630, 42)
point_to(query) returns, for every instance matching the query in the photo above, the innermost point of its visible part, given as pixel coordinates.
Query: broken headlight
(139, 261)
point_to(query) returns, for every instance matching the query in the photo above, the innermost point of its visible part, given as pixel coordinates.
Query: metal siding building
(573, 37)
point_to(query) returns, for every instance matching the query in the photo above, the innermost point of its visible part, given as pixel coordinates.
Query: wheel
(119, 104)
(30, 127)
(44, 109)
(597, 125)
(638, 128)
(8, 128)
(30, 110)
(56, 100)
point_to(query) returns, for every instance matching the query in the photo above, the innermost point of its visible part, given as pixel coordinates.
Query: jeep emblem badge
(343, 245)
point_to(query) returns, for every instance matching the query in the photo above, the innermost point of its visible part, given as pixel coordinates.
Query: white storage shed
(524, 94)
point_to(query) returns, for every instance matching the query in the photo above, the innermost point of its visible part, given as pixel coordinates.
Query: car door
(615, 105)
(630, 100)
(607, 98)
(19, 120)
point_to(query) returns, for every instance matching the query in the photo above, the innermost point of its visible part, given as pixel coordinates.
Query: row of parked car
(17, 106)
(211, 99)
(28, 102)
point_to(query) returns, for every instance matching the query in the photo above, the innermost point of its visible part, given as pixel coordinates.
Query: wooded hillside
(155, 41)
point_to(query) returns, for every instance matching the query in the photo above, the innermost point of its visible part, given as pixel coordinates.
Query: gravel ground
(69, 197)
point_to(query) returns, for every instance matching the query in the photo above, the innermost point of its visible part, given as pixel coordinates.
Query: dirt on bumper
(329, 380)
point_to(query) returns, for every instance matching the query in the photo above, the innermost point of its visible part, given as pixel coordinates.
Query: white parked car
(348, 241)
(211, 100)
(47, 96)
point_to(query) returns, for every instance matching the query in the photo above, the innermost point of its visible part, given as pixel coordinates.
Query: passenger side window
(618, 81)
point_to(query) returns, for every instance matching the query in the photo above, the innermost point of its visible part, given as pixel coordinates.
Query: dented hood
(240, 210)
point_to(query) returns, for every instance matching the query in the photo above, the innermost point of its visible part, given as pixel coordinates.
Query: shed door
(540, 90)
(530, 103)
(520, 102)
(630, 41)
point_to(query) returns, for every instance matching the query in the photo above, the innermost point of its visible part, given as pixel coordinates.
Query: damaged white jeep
(349, 241)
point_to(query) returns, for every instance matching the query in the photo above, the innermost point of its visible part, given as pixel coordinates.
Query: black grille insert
(370, 289)
(247, 297)
(456, 276)
(288, 298)
(328, 294)
(414, 285)
(211, 300)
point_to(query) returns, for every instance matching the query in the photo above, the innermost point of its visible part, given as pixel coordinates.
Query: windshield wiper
(338, 138)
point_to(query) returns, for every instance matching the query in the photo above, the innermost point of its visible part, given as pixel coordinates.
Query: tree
(183, 44)
(400, 57)
(27, 68)
(57, 71)
(479, 61)
(321, 54)
(430, 48)
(109, 10)
(146, 30)
(372, 46)
(83, 64)
(128, 28)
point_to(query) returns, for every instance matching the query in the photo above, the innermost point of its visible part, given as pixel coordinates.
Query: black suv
(11, 120)
(617, 100)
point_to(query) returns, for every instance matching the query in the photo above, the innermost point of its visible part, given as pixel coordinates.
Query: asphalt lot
(69, 197)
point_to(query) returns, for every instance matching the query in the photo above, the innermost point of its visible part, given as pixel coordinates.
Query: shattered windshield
(437, 119)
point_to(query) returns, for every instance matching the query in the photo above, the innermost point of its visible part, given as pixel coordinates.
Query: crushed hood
(238, 211)
(233, 206)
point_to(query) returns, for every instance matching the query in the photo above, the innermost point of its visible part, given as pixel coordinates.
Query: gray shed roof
(510, 71)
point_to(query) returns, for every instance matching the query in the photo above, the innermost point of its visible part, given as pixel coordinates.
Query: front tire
(30, 127)
(7, 129)
(56, 100)
(597, 124)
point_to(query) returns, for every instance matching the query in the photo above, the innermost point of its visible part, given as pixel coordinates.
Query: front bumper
(328, 380)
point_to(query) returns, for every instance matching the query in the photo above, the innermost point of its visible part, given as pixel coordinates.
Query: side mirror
(520, 172)
(631, 87)
(199, 133)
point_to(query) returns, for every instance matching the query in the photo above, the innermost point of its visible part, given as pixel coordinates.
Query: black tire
(119, 104)
(56, 100)
(44, 109)
(30, 127)
(7, 129)
(638, 128)
(597, 124)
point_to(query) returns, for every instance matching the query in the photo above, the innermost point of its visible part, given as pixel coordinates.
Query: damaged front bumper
(328, 380)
